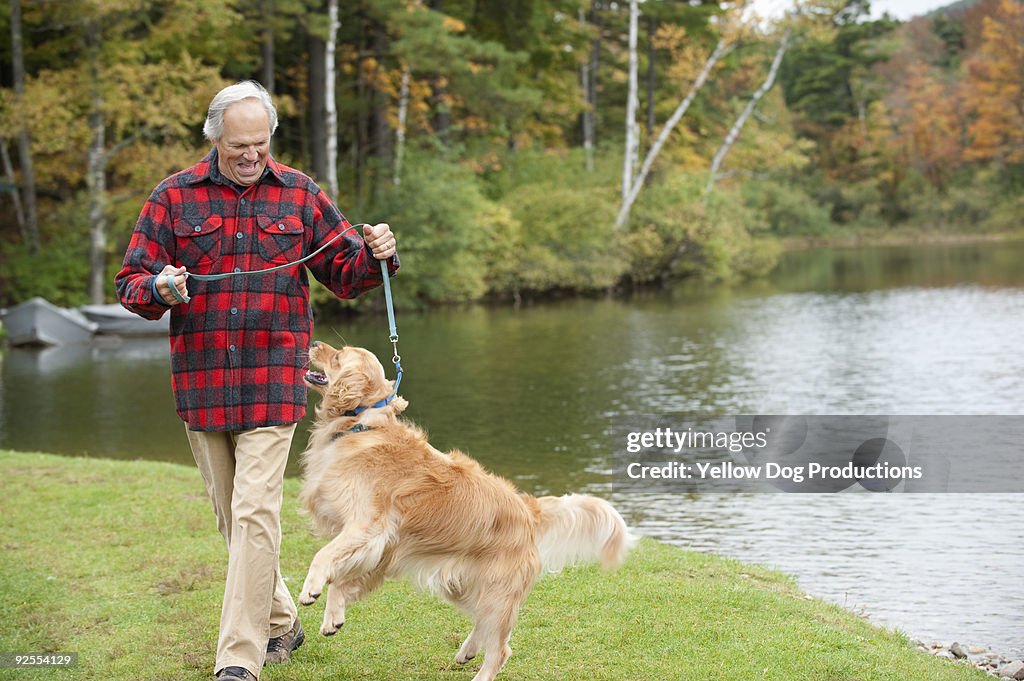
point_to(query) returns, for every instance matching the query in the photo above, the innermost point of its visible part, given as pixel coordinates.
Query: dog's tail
(576, 528)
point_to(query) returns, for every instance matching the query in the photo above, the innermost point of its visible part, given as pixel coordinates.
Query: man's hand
(380, 239)
(163, 287)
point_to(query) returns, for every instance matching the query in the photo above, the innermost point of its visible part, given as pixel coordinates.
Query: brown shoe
(280, 648)
(235, 674)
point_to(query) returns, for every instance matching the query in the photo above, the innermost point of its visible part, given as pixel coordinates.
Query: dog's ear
(348, 390)
(347, 393)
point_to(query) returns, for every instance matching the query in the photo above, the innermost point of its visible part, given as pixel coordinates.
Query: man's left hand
(380, 239)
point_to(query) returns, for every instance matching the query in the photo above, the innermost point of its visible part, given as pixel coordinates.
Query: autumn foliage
(490, 132)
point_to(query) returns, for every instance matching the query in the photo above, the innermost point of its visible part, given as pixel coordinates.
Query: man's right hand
(164, 289)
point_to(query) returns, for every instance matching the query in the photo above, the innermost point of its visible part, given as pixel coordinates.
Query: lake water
(531, 393)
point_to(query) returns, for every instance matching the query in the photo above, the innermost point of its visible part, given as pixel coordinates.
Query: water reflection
(96, 399)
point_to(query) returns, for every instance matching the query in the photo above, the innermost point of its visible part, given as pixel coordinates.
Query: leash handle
(169, 278)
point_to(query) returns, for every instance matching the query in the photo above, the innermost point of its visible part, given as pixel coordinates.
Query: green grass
(121, 562)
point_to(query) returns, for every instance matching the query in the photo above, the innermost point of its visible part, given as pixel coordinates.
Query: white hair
(232, 94)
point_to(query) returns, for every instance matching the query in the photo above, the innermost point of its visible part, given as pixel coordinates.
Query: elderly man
(238, 344)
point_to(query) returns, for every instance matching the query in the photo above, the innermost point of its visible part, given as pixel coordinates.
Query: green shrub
(60, 271)
(674, 234)
(446, 230)
(567, 239)
(785, 208)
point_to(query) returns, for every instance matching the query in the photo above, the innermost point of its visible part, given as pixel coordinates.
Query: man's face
(243, 148)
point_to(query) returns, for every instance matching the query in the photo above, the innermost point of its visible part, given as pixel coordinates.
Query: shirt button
(231, 348)
(238, 235)
(234, 310)
(281, 226)
(238, 269)
(197, 228)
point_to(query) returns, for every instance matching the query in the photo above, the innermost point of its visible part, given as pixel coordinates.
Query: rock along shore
(995, 664)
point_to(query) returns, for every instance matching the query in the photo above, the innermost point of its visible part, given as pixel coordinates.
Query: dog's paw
(330, 629)
(463, 658)
(312, 587)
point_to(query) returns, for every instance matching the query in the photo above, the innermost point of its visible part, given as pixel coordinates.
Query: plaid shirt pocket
(198, 243)
(281, 240)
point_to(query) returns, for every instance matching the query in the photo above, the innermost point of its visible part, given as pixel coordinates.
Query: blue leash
(397, 359)
(393, 330)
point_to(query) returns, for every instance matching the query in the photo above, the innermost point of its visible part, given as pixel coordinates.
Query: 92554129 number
(32, 660)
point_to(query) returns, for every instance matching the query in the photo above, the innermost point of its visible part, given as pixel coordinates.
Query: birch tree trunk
(721, 49)
(28, 177)
(403, 113)
(632, 104)
(96, 173)
(652, 75)
(330, 105)
(741, 120)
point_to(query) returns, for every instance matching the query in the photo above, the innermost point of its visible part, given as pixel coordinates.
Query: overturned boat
(39, 322)
(115, 320)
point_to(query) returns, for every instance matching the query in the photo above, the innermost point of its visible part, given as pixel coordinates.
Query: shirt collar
(207, 170)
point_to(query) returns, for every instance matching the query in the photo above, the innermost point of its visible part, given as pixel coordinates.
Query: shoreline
(896, 237)
(993, 663)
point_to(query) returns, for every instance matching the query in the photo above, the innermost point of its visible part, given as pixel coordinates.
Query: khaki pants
(244, 476)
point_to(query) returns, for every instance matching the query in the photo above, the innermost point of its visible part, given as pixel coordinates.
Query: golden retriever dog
(394, 506)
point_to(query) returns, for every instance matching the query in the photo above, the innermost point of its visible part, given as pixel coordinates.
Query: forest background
(520, 147)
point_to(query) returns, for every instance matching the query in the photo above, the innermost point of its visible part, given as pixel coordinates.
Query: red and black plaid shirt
(238, 348)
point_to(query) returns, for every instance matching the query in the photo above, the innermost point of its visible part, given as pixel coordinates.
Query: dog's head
(349, 377)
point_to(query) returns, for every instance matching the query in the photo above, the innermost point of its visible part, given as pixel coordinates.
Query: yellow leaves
(160, 103)
(687, 56)
(57, 124)
(670, 37)
(453, 25)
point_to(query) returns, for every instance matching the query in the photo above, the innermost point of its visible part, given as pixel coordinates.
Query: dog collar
(358, 428)
(383, 403)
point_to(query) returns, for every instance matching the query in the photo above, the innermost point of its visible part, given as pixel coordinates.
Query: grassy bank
(121, 563)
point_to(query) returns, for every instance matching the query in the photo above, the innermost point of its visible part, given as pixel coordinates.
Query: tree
(632, 104)
(820, 78)
(116, 89)
(721, 49)
(31, 218)
(744, 116)
(994, 88)
(330, 104)
(588, 83)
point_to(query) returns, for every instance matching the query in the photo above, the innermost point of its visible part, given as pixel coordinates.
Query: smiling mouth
(316, 378)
